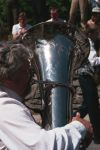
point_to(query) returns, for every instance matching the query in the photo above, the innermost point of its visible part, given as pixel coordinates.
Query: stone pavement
(92, 145)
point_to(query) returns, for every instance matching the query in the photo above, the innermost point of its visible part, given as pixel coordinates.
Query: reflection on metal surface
(59, 48)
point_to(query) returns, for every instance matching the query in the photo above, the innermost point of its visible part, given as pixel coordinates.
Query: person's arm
(16, 36)
(16, 33)
(89, 129)
(19, 131)
(90, 22)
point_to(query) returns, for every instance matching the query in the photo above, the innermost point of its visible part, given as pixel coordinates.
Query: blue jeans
(90, 103)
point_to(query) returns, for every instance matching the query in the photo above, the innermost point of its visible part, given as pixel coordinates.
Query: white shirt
(59, 20)
(17, 28)
(93, 59)
(18, 131)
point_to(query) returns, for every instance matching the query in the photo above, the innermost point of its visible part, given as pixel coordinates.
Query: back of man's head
(11, 52)
(89, 28)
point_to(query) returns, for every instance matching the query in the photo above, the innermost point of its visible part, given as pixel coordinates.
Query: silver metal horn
(59, 48)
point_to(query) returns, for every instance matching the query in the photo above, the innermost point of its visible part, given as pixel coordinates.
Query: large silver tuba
(59, 49)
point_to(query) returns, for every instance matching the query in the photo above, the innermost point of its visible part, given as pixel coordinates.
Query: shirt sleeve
(93, 59)
(19, 131)
(14, 30)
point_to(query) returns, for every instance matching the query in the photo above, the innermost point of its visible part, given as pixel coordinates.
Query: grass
(10, 37)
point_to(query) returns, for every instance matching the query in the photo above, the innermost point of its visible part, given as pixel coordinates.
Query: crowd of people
(18, 130)
(38, 9)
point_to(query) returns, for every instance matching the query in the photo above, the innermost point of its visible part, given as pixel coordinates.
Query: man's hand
(22, 31)
(89, 129)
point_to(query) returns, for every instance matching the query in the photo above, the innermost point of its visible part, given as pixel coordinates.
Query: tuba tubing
(55, 84)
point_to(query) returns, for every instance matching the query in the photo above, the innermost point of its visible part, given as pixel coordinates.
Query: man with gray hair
(17, 127)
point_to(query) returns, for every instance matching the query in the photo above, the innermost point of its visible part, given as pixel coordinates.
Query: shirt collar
(10, 93)
(91, 42)
(21, 27)
(55, 21)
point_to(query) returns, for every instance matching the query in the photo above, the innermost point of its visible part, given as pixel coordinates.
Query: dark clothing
(12, 13)
(39, 10)
(90, 103)
(86, 69)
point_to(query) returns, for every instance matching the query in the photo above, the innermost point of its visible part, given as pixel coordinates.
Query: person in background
(83, 4)
(94, 3)
(18, 129)
(3, 34)
(95, 15)
(54, 12)
(12, 12)
(90, 104)
(19, 29)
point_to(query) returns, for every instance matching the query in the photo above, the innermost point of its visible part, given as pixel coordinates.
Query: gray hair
(11, 52)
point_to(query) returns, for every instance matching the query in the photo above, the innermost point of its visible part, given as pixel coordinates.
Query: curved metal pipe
(56, 84)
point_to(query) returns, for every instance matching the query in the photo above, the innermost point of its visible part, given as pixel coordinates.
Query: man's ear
(89, 35)
(8, 79)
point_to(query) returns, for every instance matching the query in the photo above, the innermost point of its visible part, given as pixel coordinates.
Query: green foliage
(2, 12)
(24, 6)
(10, 37)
